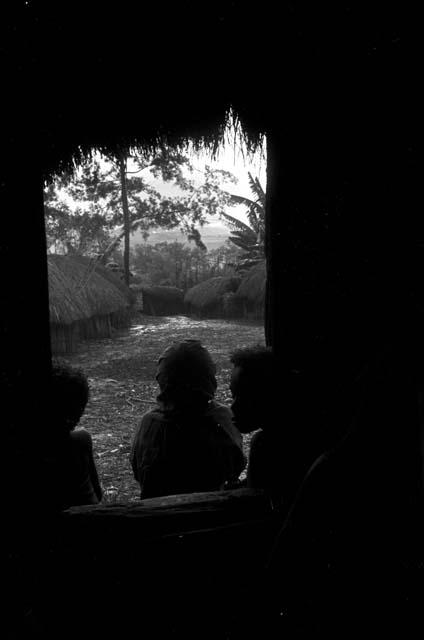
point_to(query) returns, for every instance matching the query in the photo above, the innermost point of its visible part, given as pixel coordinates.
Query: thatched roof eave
(79, 290)
(64, 155)
(210, 292)
(253, 285)
(162, 292)
(91, 75)
(106, 79)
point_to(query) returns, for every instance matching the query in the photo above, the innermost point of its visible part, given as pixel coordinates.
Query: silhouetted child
(70, 472)
(265, 402)
(188, 442)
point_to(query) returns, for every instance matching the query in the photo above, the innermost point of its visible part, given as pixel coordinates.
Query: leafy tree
(250, 238)
(224, 258)
(109, 201)
(180, 265)
(79, 229)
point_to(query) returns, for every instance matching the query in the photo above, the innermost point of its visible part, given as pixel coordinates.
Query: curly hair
(186, 372)
(257, 360)
(68, 395)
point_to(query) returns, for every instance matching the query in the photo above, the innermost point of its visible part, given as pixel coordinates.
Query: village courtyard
(121, 373)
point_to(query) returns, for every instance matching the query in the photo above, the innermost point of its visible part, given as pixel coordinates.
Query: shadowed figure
(269, 403)
(68, 469)
(188, 442)
(350, 557)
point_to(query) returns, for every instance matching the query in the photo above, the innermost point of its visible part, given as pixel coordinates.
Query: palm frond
(239, 242)
(247, 263)
(236, 224)
(254, 220)
(246, 201)
(256, 188)
(247, 236)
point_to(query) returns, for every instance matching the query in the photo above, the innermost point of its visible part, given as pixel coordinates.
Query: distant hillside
(213, 236)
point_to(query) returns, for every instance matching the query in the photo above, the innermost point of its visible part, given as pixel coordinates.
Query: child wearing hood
(187, 443)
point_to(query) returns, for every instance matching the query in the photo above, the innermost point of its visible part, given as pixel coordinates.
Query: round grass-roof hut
(207, 298)
(251, 291)
(86, 300)
(157, 300)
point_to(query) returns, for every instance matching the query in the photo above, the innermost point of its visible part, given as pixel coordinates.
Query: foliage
(75, 230)
(83, 209)
(250, 238)
(179, 265)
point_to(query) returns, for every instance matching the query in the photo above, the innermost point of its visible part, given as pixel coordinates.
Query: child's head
(253, 386)
(68, 396)
(186, 375)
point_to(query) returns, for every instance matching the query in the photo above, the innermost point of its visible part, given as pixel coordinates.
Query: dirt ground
(121, 374)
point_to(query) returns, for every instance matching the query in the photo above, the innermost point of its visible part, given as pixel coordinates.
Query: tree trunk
(124, 195)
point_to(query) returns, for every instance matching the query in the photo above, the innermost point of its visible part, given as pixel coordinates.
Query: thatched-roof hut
(86, 300)
(207, 298)
(159, 300)
(231, 305)
(251, 292)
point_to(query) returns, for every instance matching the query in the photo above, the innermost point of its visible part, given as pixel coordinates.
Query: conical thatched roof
(159, 292)
(80, 289)
(209, 293)
(253, 284)
(109, 274)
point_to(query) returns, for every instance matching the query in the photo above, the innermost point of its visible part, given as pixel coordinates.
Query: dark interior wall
(25, 341)
(344, 234)
(334, 88)
(336, 91)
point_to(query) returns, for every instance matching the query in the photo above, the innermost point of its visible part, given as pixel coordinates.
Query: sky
(230, 159)
(240, 167)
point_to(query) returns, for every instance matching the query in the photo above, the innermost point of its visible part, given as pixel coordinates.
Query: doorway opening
(147, 249)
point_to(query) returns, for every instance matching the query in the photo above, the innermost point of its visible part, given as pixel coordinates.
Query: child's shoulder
(218, 409)
(259, 438)
(153, 417)
(81, 437)
(155, 413)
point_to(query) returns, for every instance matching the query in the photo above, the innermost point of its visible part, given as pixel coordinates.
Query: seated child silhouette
(280, 453)
(69, 469)
(187, 443)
